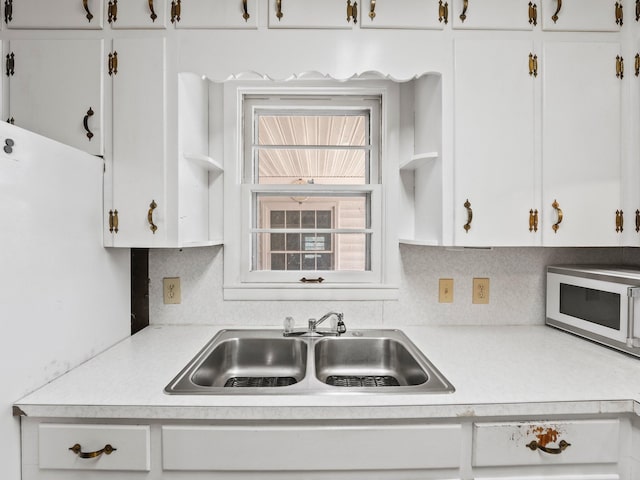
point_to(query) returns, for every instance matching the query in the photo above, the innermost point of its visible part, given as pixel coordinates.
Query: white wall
(516, 292)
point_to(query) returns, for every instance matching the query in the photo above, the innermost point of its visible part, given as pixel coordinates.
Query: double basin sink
(256, 362)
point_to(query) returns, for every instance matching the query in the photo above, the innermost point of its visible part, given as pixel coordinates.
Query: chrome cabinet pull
(556, 207)
(467, 226)
(85, 4)
(562, 446)
(245, 11)
(152, 226)
(443, 12)
(463, 15)
(85, 122)
(153, 11)
(372, 10)
(107, 450)
(554, 17)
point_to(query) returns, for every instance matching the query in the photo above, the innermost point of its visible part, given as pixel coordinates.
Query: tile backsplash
(516, 291)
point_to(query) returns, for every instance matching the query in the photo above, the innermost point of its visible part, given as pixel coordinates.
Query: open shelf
(204, 161)
(418, 160)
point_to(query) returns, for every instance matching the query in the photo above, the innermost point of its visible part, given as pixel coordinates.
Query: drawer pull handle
(562, 446)
(312, 280)
(152, 206)
(467, 206)
(556, 207)
(77, 449)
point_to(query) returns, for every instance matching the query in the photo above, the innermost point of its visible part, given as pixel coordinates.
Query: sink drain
(362, 381)
(260, 382)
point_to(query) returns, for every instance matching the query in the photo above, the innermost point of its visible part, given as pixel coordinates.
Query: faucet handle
(312, 324)
(341, 328)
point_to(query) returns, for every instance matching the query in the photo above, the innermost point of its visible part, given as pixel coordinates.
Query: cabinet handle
(85, 4)
(443, 12)
(637, 10)
(467, 226)
(245, 10)
(463, 15)
(619, 67)
(279, 9)
(85, 122)
(153, 11)
(176, 7)
(312, 280)
(352, 11)
(77, 449)
(637, 221)
(533, 14)
(113, 221)
(372, 10)
(152, 226)
(562, 446)
(533, 65)
(637, 64)
(619, 13)
(11, 64)
(112, 11)
(112, 63)
(556, 207)
(554, 17)
(619, 221)
(533, 220)
(8, 10)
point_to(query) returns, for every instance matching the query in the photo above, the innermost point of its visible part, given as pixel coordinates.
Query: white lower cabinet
(425, 449)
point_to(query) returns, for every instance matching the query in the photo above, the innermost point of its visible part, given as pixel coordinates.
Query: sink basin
(237, 362)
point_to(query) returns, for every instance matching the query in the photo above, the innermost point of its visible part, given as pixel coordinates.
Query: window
(311, 216)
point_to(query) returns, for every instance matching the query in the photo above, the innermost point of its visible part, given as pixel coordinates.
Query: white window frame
(240, 283)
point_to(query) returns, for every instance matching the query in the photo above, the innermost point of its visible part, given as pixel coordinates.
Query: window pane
(297, 129)
(339, 211)
(321, 166)
(324, 251)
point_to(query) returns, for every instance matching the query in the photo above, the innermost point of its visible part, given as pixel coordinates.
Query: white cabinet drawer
(502, 444)
(311, 448)
(130, 447)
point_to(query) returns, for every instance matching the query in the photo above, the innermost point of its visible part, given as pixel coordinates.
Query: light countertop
(497, 371)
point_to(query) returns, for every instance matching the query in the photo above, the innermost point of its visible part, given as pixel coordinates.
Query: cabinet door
(55, 89)
(580, 15)
(311, 14)
(494, 143)
(137, 14)
(76, 14)
(581, 137)
(139, 137)
(415, 14)
(217, 14)
(494, 14)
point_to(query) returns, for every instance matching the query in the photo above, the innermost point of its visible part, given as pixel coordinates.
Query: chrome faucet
(312, 329)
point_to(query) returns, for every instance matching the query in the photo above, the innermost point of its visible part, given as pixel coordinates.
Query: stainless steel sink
(241, 362)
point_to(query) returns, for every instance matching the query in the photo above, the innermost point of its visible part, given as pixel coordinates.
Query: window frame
(240, 283)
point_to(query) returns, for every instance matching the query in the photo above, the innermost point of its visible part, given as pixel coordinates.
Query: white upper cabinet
(583, 15)
(581, 143)
(139, 143)
(495, 175)
(136, 13)
(214, 14)
(495, 14)
(314, 14)
(414, 14)
(50, 14)
(55, 89)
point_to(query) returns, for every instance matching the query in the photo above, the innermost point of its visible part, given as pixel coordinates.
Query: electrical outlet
(171, 290)
(445, 290)
(481, 290)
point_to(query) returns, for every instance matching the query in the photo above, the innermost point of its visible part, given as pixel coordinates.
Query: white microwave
(600, 303)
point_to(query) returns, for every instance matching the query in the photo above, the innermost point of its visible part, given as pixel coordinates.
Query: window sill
(311, 292)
